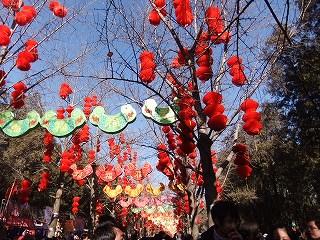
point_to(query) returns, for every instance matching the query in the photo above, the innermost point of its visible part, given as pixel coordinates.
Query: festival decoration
(141, 201)
(75, 205)
(17, 128)
(5, 35)
(26, 15)
(65, 90)
(147, 67)
(112, 193)
(124, 203)
(44, 181)
(138, 174)
(162, 116)
(204, 60)
(154, 17)
(237, 71)
(242, 160)
(62, 127)
(183, 12)
(155, 191)
(25, 190)
(79, 174)
(214, 110)
(18, 95)
(12, 4)
(216, 27)
(58, 9)
(113, 123)
(252, 118)
(108, 173)
(134, 192)
(48, 143)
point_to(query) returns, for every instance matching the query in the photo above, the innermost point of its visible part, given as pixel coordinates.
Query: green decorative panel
(162, 116)
(62, 127)
(113, 123)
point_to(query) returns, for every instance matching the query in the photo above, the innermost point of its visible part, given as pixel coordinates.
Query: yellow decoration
(155, 191)
(112, 193)
(134, 192)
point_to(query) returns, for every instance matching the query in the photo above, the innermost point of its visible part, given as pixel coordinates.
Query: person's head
(313, 228)
(225, 216)
(249, 231)
(108, 229)
(280, 233)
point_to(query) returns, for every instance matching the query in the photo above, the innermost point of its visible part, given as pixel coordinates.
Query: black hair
(249, 230)
(104, 231)
(223, 209)
(314, 216)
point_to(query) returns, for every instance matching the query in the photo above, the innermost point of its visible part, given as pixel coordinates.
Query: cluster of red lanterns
(67, 159)
(204, 60)
(28, 56)
(182, 205)
(26, 15)
(91, 155)
(2, 78)
(181, 58)
(164, 163)
(48, 143)
(5, 35)
(58, 9)
(13, 4)
(197, 178)
(18, 95)
(100, 209)
(183, 12)
(25, 191)
(114, 149)
(242, 160)
(216, 26)
(65, 90)
(214, 110)
(186, 114)
(154, 17)
(44, 181)
(89, 102)
(170, 137)
(237, 71)
(75, 205)
(252, 118)
(147, 67)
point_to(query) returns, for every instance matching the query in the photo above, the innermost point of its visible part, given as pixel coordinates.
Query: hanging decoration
(17, 128)
(237, 71)
(162, 116)
(252, 118)
(5, 35)
(112, 193)
(108, 173)
(155, 191)
(242, 160)
(113, 123)
(134, 192)
(138, 174)
(79, 174)
(62, 127)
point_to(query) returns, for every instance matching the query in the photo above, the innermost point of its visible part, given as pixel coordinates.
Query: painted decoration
(62, 127)
(155, 191)
(79, 174)
(113, 123)
(162, 116)
(17, 128)
(134, 192)
(5, 118)
(108, 173)
(112, 193)
(141, 201)
(177, 187)
(138, 174)
(124, 203)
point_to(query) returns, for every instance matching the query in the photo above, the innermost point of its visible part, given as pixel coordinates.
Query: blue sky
(80, 34)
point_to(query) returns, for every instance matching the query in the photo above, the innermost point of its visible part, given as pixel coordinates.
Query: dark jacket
(208, 235)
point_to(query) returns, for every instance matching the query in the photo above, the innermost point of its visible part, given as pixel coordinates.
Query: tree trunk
(209, 178)
(56, 209)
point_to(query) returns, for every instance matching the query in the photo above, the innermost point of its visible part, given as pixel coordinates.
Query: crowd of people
(227, 226)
